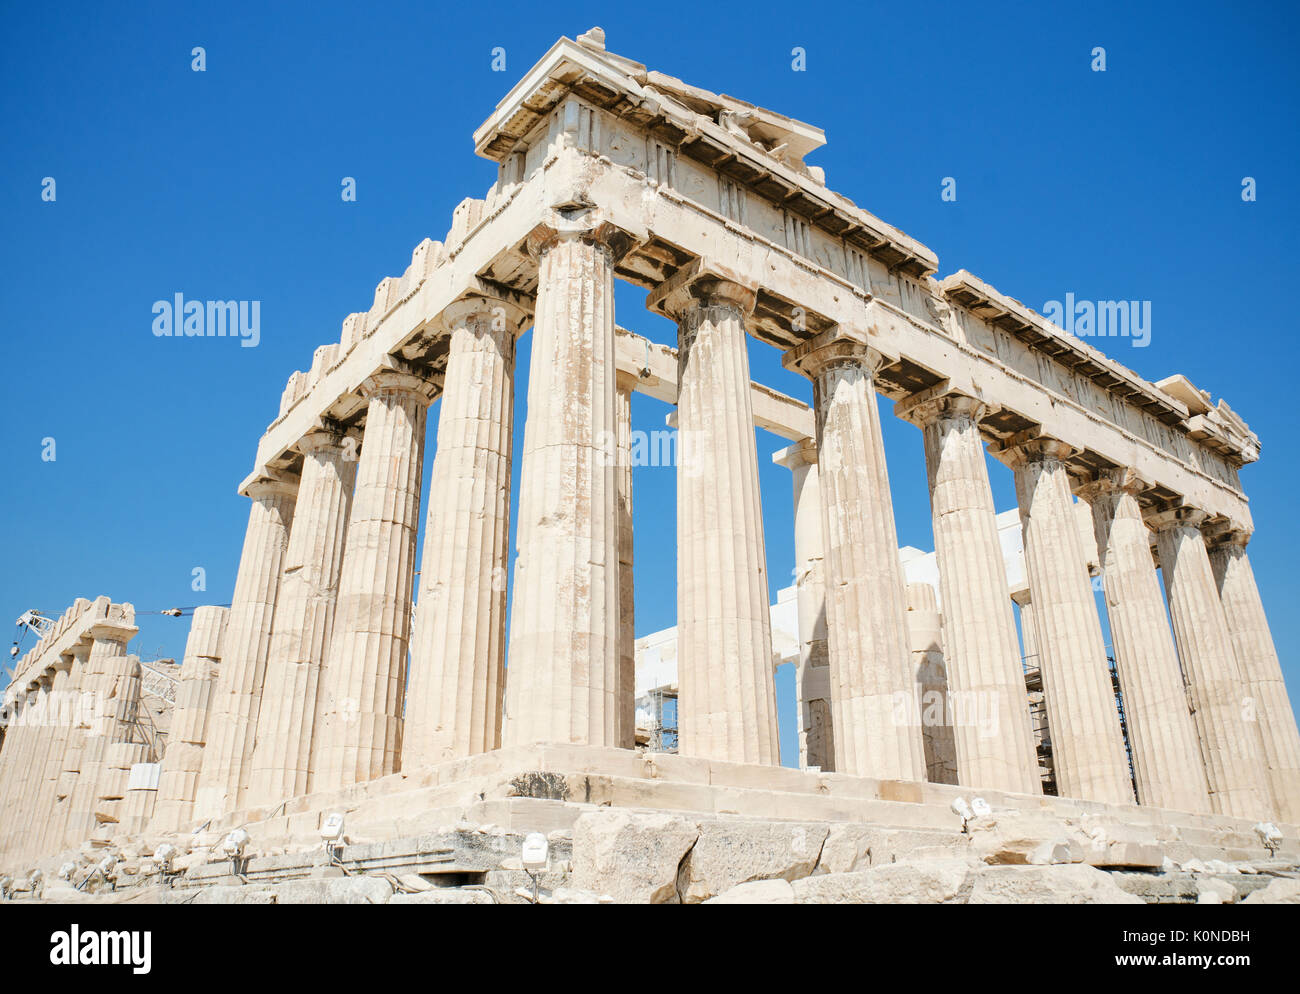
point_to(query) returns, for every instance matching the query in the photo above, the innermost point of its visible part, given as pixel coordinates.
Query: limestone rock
(634, 858)
(224, 895)
(1283, 890)
(930, 882)
(1063, 884)
(757, 892)
(1214, 891)
(568, 895)
(1019, 838)
(341, 890)
(731, 853)
(850, 847)
(847, 848)
(1112, 844)
(444, 895)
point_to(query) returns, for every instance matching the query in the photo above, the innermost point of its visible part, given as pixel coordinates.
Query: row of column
(69, 744)
(1227, 744)
(313, 692)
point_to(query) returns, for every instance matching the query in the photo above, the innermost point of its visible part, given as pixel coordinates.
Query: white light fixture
(235, 842)
(164, 854)
(535, 856)
(536, 851)
(1270, 835)
(67, 870)
(332, 830)
(332, 833)
(980, 807)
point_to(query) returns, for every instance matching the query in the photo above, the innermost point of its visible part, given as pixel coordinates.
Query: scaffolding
(1042, 728)
(663, 720)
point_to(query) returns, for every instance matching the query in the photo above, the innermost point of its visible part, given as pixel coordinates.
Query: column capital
(1108, 482)
(324, 435)
(701, 284)
(398, 376)
(585, 224)
(505, 309)
(109, 630)
(1221, 531)
(837, 346)
(1031, 446)
(266, 482)
(1183, 516)
(800, 453)
(940, 402)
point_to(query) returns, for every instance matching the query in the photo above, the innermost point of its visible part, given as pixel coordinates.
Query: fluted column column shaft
(727, 700)
(187, 737)
(364, 682)
(304, 619)
(1162, 737)
(816, 734)
(58, 714)
(112, 682)
(981, 652)
(18, 746)
(873, 689)
(562, 680)
(68, 750)
(1257, 656)
(1230, 743)
(1087, 745)
(626, 698)
(9, 750)
(28, 809)
(453, 703)
(236, 703)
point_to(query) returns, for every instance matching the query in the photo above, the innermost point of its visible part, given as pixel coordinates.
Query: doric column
(112, 682)
(28, 809)
(1220, 698)
(9, 747)
(626, 697)
(18, 744)
(562, 681)
(57, 724)
(178, 783)
(1256, 655)
(72, 736)
(812, 678)
(304, 618)
(873, 689)
(1166, 754)
(360, 736)
(939, 712)
(453, 702)
(1087, 745)
(986, 681)
(727, 700)
(227, 757)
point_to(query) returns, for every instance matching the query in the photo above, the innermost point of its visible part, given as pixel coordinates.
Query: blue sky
(224, 184)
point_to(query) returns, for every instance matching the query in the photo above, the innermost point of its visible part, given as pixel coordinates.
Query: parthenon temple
(339, 679)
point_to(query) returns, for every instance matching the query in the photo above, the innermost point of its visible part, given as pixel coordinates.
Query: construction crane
(33, 621)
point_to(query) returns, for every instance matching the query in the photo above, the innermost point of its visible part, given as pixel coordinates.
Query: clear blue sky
(225, 185)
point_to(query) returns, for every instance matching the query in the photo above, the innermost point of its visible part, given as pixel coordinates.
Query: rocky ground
(624, 856)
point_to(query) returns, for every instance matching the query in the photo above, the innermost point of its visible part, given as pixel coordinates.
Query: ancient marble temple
(337, 668)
